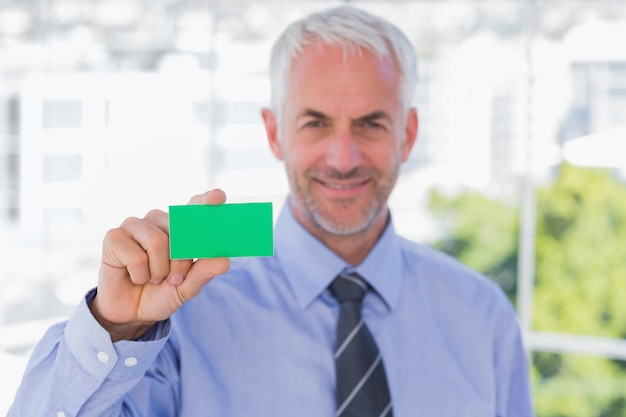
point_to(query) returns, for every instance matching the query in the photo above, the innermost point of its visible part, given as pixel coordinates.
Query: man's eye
(314, 124)
(371, 124)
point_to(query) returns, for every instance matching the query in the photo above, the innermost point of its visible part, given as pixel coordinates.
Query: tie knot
(349, 287)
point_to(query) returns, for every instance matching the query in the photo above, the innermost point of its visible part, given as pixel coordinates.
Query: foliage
(580, 264)
(581, 255)
(481, 233)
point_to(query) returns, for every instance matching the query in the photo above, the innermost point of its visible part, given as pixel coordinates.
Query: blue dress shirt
(258, 341)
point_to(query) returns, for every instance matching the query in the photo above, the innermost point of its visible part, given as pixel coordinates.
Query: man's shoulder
(421, 255)
(435, 268)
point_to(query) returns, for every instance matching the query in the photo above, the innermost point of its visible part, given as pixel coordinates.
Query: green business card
(227, 230)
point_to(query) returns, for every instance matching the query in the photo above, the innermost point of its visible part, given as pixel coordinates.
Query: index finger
(213, 197)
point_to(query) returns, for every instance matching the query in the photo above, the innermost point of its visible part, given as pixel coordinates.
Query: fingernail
(176, 279)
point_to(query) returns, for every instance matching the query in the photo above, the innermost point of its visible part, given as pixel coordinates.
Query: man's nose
(344, 153)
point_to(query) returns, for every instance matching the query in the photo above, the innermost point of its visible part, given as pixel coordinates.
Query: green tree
(580, 264)
(481, 233)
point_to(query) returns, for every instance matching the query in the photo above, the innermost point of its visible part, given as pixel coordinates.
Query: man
(275, 336)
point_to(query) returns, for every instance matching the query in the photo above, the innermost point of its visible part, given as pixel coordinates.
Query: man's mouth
(342, 185)
(341, 190)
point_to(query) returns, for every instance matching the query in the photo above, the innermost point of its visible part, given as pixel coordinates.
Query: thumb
(202, 271)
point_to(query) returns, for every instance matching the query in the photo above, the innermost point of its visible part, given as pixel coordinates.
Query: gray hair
(348, 27)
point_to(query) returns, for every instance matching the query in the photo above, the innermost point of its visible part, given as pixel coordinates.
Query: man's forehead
(324, 80)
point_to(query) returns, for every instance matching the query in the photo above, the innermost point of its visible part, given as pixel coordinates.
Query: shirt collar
(310, 266)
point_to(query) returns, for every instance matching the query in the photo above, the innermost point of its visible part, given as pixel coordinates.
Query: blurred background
(109, 108)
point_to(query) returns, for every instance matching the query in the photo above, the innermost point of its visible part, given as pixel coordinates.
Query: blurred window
(62, 168)
(61, 114)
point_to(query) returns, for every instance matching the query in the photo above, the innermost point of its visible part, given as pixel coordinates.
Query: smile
(342, 190)
(343, 186)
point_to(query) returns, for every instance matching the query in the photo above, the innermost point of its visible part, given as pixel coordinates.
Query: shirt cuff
(91, 345)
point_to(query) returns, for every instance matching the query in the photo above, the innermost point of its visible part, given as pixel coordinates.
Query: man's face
(342, 136)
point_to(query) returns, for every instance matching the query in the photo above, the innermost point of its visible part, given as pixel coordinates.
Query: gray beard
(342, 230)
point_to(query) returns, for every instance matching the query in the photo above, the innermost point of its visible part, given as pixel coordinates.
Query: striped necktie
(362, 389)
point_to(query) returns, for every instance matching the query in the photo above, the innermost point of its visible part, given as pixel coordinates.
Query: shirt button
(60, 414)
(132, 361)
(103, 357)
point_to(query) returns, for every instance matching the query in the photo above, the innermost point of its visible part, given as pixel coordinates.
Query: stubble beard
(325, 218)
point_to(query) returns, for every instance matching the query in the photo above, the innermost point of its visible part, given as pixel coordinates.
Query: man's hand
(139, 285)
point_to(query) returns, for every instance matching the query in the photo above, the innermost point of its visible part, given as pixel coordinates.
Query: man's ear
(410, 133)
(271, 130)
